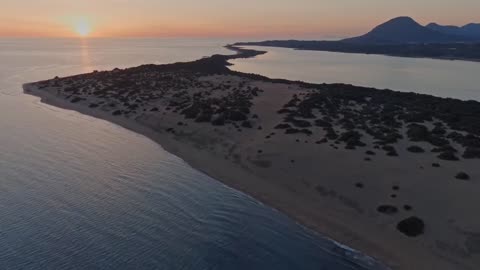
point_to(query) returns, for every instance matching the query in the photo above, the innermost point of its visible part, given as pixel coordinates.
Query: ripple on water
(80, 193)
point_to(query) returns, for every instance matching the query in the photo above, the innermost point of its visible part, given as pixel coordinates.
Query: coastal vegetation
(353, 154)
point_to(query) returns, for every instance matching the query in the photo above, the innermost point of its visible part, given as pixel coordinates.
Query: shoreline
(359, 51)
(391, 55)
(334, 221)
(197, 164)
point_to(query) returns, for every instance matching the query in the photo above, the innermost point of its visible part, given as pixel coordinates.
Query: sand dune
(394, 175)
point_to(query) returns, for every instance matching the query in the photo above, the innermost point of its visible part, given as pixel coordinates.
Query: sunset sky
(220, 18)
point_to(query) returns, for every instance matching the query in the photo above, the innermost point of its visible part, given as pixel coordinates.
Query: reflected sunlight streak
(86, 61)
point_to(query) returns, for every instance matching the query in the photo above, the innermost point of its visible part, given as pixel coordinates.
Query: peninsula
(394, 175)
(402, 37)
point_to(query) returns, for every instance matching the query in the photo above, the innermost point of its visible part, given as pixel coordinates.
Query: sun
(82, 27)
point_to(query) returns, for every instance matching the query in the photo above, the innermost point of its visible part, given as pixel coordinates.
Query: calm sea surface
(81, 193)
(443, 78)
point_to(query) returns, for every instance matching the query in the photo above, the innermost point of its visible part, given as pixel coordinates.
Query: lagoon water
(81, 193)
(442, 78)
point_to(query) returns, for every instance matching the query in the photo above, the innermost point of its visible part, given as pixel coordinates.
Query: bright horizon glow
(82, 27)
(307, 19)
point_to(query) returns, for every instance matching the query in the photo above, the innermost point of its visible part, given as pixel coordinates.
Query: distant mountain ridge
(471, 30)
(405, 30)
(401, 36)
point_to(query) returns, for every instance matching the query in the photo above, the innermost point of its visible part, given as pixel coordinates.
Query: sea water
(81, 193)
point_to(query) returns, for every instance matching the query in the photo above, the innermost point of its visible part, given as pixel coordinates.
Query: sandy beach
(393, 175)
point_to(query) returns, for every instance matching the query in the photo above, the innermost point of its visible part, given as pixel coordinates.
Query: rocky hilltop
(405, 30)
(400, 36)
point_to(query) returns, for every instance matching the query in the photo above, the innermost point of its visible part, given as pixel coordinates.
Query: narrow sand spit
(394, 175)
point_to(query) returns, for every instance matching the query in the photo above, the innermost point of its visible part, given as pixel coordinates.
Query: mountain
(446, 29)
(471, 30)
(401, 37)
(403, 30)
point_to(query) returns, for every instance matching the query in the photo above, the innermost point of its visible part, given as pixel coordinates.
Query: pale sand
(318, 188)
